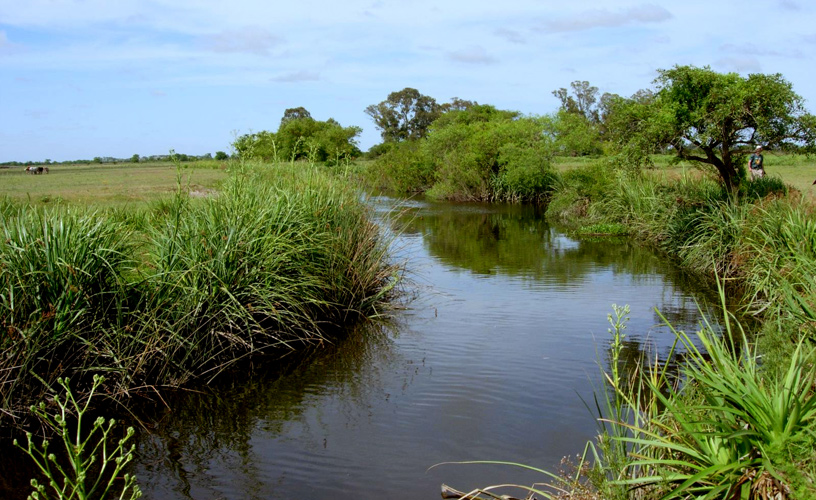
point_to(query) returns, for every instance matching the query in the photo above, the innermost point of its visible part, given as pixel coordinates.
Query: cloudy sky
(85, 78)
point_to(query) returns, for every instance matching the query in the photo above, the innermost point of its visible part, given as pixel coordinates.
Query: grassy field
(108, 185)
(797, 171)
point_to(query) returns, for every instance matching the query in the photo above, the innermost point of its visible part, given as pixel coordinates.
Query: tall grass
(279, 258)
(60, 284)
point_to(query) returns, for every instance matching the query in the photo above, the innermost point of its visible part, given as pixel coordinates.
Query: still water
(491, 359)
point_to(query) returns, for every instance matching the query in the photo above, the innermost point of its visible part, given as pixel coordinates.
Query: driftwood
(448, 492)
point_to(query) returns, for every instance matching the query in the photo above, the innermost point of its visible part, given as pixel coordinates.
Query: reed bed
(281, 257)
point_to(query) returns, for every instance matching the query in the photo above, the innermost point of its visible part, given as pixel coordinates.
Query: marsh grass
(183, 288)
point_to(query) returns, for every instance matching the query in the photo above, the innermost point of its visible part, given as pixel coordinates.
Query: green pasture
(109, 185)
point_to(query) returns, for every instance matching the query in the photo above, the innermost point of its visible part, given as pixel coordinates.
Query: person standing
(756, 164)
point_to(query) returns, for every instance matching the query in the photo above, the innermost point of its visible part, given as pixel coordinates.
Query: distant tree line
(471, 151)
(136, 158)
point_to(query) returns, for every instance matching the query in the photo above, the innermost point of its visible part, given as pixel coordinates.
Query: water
(492, 360)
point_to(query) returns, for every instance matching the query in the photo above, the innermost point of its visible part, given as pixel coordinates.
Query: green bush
(402, 168)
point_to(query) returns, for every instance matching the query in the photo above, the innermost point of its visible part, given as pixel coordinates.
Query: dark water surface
(490, 361)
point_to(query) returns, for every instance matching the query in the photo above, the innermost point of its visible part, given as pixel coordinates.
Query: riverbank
(165, 292)
(760, 244)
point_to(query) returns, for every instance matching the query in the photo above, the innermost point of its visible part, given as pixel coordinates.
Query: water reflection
(490, 362)
(205, 445)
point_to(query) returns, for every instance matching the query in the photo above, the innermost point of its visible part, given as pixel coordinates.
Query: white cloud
(471, 55)
(7, 46)
(298, 76)
(250, 40)
(739, 64)
(753, 50)
(602, 18)
(511, 36)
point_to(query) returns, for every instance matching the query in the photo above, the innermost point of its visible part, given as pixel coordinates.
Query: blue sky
(85, 78)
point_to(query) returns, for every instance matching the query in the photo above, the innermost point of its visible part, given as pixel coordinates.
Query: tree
(295, 114)
(574, 135)
(457, 104)
(483, 153)
(404, 115)
(712, 118)
(578, 126)
(582, 102)
(134, 158)
(299, 138)
(221, 156)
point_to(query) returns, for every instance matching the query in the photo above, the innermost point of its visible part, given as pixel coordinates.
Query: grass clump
(182, 290)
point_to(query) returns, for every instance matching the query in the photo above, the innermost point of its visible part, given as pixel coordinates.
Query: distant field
(120, 184)
(797, 171)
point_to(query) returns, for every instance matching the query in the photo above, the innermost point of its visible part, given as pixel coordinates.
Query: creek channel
(495, 357)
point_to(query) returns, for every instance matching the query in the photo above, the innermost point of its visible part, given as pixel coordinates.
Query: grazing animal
(36, 170)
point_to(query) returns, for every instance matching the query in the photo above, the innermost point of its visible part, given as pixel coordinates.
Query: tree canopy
(404, 115)
(300, 136)
(711, 118)
(475, 152)
(295, 114)
(579, 125)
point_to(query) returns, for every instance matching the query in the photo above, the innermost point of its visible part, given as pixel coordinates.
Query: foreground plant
(731, 435)
(94, 463)
(729, 431)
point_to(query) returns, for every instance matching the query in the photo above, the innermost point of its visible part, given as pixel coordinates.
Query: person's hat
(758, 148)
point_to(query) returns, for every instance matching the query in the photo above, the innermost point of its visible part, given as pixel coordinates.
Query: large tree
(582, 101)
(579, 125)
(712, 118)
(404, 115)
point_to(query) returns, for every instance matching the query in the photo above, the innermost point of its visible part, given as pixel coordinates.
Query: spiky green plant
(722, 442)
(94, 460)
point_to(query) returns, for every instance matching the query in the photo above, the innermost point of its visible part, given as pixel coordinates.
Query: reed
(181, 290)
(61, 283)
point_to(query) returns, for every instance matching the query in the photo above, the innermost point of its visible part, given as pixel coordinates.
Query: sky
(87, 78)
